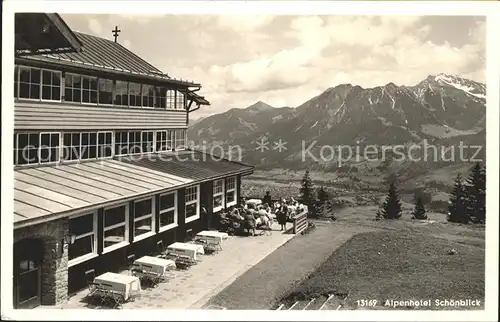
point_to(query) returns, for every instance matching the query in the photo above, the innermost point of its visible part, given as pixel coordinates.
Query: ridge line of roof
(124, 48)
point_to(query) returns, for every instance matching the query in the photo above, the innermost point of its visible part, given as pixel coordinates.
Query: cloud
(127, 44)
(95, 26)
(244, 23)
(286, 60)
(142, 19)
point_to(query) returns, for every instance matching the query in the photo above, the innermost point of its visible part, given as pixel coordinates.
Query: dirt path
(266, 282)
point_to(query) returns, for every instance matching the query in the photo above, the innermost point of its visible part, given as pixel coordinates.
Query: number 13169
(367, 303)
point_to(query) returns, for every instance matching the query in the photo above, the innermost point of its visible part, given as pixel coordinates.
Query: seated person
(243, 203)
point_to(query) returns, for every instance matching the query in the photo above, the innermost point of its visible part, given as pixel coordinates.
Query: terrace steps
(322, 302)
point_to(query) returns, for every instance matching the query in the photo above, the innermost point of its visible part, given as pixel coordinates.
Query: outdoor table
(186, 249)
(213, 233)
(154, 264)
(123, 284)
(255, 202)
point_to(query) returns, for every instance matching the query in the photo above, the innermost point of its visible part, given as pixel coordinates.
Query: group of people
(261, 213)
(282, 210)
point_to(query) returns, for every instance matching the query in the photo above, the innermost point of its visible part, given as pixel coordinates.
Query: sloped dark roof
(37, 33)
(56, 191)
(189, 164)
(198, 98)
(106, 55)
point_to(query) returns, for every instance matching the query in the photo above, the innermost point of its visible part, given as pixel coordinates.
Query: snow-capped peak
(462, 84)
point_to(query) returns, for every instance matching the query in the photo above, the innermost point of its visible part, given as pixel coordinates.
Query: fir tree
(391, 208)
(419, 211)
(307, 190)
(476, 194)
(458, 203)
(323, 195)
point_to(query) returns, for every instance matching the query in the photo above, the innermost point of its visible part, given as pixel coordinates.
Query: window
(115, 226)
(71, 146)
(26, 148)
(218, 194)
(143, 217)
(35, 148)
(73, 88)
(192, 203)
(16, 81)
(49, 147)
(134, 142)
(230, 191)
(121, 93)
(170, 99)
(89, 89)
(168, 211)
(180, 139)
(29, 82)
(88, 147)
(163, 141)
(106, 87)
(148, 95)
(104, 144)
(147, 144)
(121, 143)
(135, 95)
(51, 85)
(160, 97)
(85, 228)
(179, 100)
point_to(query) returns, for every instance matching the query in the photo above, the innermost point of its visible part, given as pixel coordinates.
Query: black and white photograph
(275, 157)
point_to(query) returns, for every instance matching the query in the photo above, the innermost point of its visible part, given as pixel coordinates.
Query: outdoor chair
(212, 247)
(130, 262)
(189, 235)
(117, 299)
(89, 278)
(160, 249)
(265, 230)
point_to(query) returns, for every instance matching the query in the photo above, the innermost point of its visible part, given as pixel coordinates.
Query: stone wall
(55, 259)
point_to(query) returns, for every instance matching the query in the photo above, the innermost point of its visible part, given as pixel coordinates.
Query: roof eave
(64, 214)
(65, 30)
(40, 60)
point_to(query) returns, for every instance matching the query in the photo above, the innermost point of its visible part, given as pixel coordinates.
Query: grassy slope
(265, 283)
(413, 262)
(402, 266)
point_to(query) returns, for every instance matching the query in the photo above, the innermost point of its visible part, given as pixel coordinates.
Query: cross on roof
(116, 31)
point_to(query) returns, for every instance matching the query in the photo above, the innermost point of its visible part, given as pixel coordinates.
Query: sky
(285, 60)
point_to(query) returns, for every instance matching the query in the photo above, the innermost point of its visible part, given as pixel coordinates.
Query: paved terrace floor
(194, 287)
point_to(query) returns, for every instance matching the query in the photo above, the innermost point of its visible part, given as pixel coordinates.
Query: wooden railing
(300, 222)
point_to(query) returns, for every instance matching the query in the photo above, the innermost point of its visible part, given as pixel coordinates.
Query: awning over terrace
(51, 192)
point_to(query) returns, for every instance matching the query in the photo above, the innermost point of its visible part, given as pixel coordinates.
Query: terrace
(192, 288)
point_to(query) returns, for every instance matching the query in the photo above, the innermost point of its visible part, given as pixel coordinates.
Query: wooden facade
(92, 207)
(43, 116)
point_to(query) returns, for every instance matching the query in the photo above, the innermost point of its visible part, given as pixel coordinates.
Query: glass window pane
(218, 201)
(114, 216)
(81, 225)
(143, 208)
(114, 236)
(191, 210)
(81, 246)
(143, 226)
(47, 77)
(167, 218)
(167, 201)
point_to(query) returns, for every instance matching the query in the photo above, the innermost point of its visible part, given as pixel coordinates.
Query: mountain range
(441, 109)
